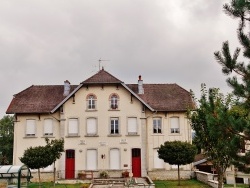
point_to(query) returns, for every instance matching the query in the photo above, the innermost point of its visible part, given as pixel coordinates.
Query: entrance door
(70, 164)
(136, 162)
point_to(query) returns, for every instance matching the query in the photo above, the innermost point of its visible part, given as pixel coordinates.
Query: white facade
(102, 133)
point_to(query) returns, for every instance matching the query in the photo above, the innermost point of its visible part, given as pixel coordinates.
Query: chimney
(66, 88)
(140, 86)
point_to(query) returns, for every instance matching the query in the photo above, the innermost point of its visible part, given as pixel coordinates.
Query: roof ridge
(101, 76)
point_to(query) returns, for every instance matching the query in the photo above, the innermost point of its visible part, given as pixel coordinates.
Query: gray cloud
(47, 42)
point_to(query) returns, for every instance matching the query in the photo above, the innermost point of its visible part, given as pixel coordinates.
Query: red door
(70, 164)
(136, 162)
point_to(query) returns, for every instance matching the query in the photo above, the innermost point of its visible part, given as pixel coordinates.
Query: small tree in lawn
(36, 158)
(177, 153)
(43, 156)
(55, 147)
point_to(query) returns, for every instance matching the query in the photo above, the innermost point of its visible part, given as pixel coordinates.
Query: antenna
(100, 60)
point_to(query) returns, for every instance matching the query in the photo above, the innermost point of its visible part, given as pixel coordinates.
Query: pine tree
(238, 72)
(240, 83)
(214, 122)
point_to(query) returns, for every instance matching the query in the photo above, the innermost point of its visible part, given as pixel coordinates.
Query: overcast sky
(46, 42)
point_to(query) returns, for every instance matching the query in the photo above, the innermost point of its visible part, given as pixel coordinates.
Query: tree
(37, 158)
(43, 156)
(177, 153)
(238, 72)
(56, 147)
(6, 139)
(215, 123)
(240, 83)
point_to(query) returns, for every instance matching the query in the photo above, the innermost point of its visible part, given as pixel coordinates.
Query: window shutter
(91, 126)
(114, 159)
(48, 127)
(73, 127)
(91, 159)
(158, 163)
(174, 122)
(132, 126)
(30, 127)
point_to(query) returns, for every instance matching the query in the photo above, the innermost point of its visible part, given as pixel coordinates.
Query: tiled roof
(102, 77)
(164, 97)
(45, 99)
(37, 99)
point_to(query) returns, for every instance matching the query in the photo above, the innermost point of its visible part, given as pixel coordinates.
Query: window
(132, 126)
(91, 102)
(157, 125)
(158, 163)
(91, 126)
(174, 124)
(113, 102)
(48, 127)
(73, 127)
(48, 168)
(91, 159)
(114, 126)
(114, 159)
(174, 166)
(30, 127)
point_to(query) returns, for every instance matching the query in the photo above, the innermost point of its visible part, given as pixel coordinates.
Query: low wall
(169, 174)
(207, 178)
(45, 176)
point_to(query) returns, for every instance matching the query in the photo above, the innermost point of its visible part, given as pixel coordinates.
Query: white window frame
(175, 125)
(30, 128)
(115, 159)
(91, 102)
(157, 125)
(75, 123)
(91, 159)
(114, 98)
(89, 130)
(48, 127)
(114, 125)
(132, 126)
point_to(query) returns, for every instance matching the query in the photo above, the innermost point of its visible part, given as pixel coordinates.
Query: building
(106, 124)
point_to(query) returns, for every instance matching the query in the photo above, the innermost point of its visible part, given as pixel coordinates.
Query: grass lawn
(238, 186)
(184, 184)
(190, 184)
(158, 184)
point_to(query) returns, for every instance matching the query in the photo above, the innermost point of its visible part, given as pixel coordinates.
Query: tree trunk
(54, 179)
(39, 177)
(179, 183)
(220, 177)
